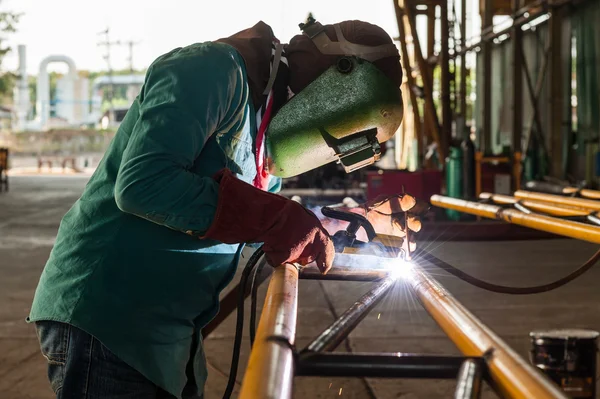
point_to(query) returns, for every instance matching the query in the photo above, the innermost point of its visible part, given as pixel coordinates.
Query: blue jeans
(80, 367)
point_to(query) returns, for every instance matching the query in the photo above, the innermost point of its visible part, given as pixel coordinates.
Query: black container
(568, 357)
(468, 154)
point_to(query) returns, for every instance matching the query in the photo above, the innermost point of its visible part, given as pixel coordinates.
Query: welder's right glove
(290, 232)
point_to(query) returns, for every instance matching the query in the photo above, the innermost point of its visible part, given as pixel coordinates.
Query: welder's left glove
(394, 214)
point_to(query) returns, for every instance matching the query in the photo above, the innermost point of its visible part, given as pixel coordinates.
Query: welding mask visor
(343, 115)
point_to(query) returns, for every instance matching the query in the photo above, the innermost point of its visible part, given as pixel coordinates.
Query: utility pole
(130, 44)
(108, 44)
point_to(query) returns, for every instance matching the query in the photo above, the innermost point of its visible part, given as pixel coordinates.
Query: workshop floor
(31, 211)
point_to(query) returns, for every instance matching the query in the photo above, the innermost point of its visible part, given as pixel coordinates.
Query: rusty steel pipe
(510, 375)
(538, 206)
(567, 228)
(559, 199)
(270, 370)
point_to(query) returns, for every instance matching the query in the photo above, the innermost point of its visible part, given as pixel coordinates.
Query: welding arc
(502, 289)
(239, 324)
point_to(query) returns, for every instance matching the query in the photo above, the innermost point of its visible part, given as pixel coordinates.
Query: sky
(72, 27)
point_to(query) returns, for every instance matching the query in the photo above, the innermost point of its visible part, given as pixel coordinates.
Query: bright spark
(340, 393)
(378, 316)
(401, 269)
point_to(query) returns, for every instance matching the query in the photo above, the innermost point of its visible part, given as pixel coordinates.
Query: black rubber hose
(254, 300)
(502, 289)
(239, 326)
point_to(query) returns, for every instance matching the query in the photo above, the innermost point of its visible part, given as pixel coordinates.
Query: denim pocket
(54, 344)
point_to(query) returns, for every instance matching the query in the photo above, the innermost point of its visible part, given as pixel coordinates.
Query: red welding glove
(290, 232)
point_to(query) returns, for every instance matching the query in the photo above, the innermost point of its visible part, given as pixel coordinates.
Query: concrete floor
(31, 211)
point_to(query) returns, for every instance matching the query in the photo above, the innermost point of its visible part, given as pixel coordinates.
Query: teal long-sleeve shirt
(128, 266)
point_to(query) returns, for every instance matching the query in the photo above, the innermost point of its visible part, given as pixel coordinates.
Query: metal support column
(431, 117)
(486, 121)
(463, 68)
(556, 92)
(411, 81)
(445, 78)
(517, 103)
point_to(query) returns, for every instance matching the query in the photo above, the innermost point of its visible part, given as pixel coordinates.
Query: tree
(8, 22)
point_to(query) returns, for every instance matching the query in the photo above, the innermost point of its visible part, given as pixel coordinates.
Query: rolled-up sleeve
(187, 95)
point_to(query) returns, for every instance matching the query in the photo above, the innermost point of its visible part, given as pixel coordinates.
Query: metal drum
(568, 357)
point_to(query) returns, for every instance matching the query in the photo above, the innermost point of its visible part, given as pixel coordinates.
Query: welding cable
(253, 300)
(239, 324)
(502, 289)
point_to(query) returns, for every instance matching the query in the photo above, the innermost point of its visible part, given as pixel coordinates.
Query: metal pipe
(558, 199)
(382, 365)
(566, 228)
(510, 375)
(270, 370)
(343, 273)
(591, 194)
(551, 188)
(538, 206)
(468, 384)
(333, 335)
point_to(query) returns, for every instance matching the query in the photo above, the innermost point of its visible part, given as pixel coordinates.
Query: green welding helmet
(341, 116)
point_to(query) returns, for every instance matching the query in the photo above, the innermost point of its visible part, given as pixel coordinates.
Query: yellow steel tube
(512, 376)
(593, 194)
(559, 199)
(584, 192)
(580, 231)
(539, 206)
(270, 370)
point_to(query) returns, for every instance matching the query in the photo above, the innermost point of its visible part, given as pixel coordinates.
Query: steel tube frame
(381, 365)
(558, 199)
(549, 224)
(509, 374)
(468, 384)
(270, 370)
(335, 334)
(538, 206)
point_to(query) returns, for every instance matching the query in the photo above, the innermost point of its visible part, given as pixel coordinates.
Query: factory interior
(463, 210)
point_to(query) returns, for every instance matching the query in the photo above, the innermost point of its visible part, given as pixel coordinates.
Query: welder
(189, 178)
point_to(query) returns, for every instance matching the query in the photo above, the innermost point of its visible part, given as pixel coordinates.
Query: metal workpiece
(468, 384)
(536, 205)
(343, 273)
(333, 335)
(381, 365)
(582, 203)
(509, 374)
(551, 188)
(270, 370)
(549, 224)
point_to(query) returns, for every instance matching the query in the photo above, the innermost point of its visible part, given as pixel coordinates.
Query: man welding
(141, 257)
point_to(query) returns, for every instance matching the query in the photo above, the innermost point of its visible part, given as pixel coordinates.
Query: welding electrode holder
(344, 239)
